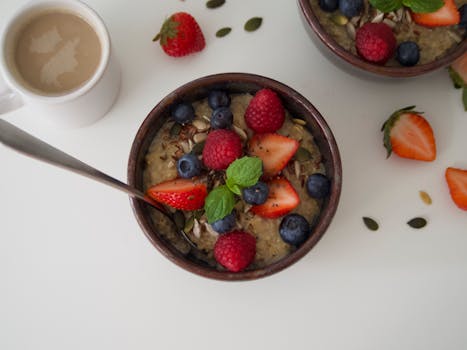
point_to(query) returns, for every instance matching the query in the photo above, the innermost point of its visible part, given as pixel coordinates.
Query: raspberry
(375, 42)
(222, 147)
(265, 112)
(235, 250)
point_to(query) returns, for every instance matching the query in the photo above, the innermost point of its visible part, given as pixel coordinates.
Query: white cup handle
(9, 100)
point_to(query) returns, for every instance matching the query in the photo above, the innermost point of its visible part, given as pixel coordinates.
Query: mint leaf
(464, 97)
(244, 172)
(219, 203)
(423, 6)
(386, 5)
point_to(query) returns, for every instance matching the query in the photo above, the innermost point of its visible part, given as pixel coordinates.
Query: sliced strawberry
(409, 135)
(457, 182)
(282, 199)
(181, 194)
(274, 150)
(445, 16)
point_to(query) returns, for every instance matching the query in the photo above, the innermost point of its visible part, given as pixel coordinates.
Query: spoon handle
(29, 145)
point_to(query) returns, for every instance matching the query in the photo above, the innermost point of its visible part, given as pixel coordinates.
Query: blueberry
(350, 8)
(256, 194)
(224, 225)
(188, 166)
(294, 229)
(463, 13)
(329, 5)
(183, 113)
(408, 53)
(222, 118)
(217, 98)
(318, 185)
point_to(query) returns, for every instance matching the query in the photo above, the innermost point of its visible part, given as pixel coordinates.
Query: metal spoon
(29, 145)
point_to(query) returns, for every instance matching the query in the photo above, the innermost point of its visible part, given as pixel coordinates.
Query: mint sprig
(417, 6)
(241, 173)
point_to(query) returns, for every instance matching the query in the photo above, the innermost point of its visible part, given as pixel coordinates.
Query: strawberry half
(458, 71)
(457, 182)
(282, 199)
(180, 35)
(183, 194)
(409, 135)
(274, 150)
(445, 16)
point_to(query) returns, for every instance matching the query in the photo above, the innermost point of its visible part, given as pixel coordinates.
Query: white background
(77, 272)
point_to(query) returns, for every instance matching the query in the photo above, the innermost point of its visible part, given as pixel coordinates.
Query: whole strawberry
(180, 35)
(265, 112)
(235, 250)
(375, 42)
(221, 148)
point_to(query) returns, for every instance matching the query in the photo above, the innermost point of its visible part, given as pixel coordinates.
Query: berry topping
(188, 166)
(445, 16)
(256, 194)
(217, 98)
(235, 250)
(375, 42)
(350, 8)
(329, 5)
(181, 194)
(458, 71)
(274, 150)
(294, 229)
(221, 118)
(408, 53)
(282, 199)
(457, 182)
(183, 113)
(180, 35)
(225, 224)
(318, 185)
(265, 112)
(409, 135)
(221, 148)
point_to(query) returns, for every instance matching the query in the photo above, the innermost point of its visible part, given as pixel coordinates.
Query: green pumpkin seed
(302, 155)
(253, 24)
(417, 223)
(223, 32)
(212, 4)
(370, 223)
(339, 19)
(179, 219)
(175, 129)
(198, 148)
(189, 224)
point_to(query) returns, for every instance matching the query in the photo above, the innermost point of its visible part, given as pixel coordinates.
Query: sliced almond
(196, 228)
(242, 133)
(200, 125)
(351, 30)
(197, 138)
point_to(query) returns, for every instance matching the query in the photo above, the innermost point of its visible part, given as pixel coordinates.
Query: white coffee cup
(79, 107)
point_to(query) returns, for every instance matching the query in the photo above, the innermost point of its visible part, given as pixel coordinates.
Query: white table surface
(77, 272)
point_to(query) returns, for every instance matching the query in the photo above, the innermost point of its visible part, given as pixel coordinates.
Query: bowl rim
(171, 252)
(396, 72)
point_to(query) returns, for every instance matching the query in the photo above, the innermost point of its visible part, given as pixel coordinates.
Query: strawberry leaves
(417, 6)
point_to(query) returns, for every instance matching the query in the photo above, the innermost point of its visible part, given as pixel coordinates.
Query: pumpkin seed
(175, 129)
(223, 32)
(417, 223)
(299, 121)
(212, 4)
(179, 219)
(302, 155)
(189, 224)
(198, 148)
(253, 24)
(370, 223)
(425, 197)
(339, 19)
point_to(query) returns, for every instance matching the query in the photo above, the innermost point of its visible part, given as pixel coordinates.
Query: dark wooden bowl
(346, 60)
(234, 83)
